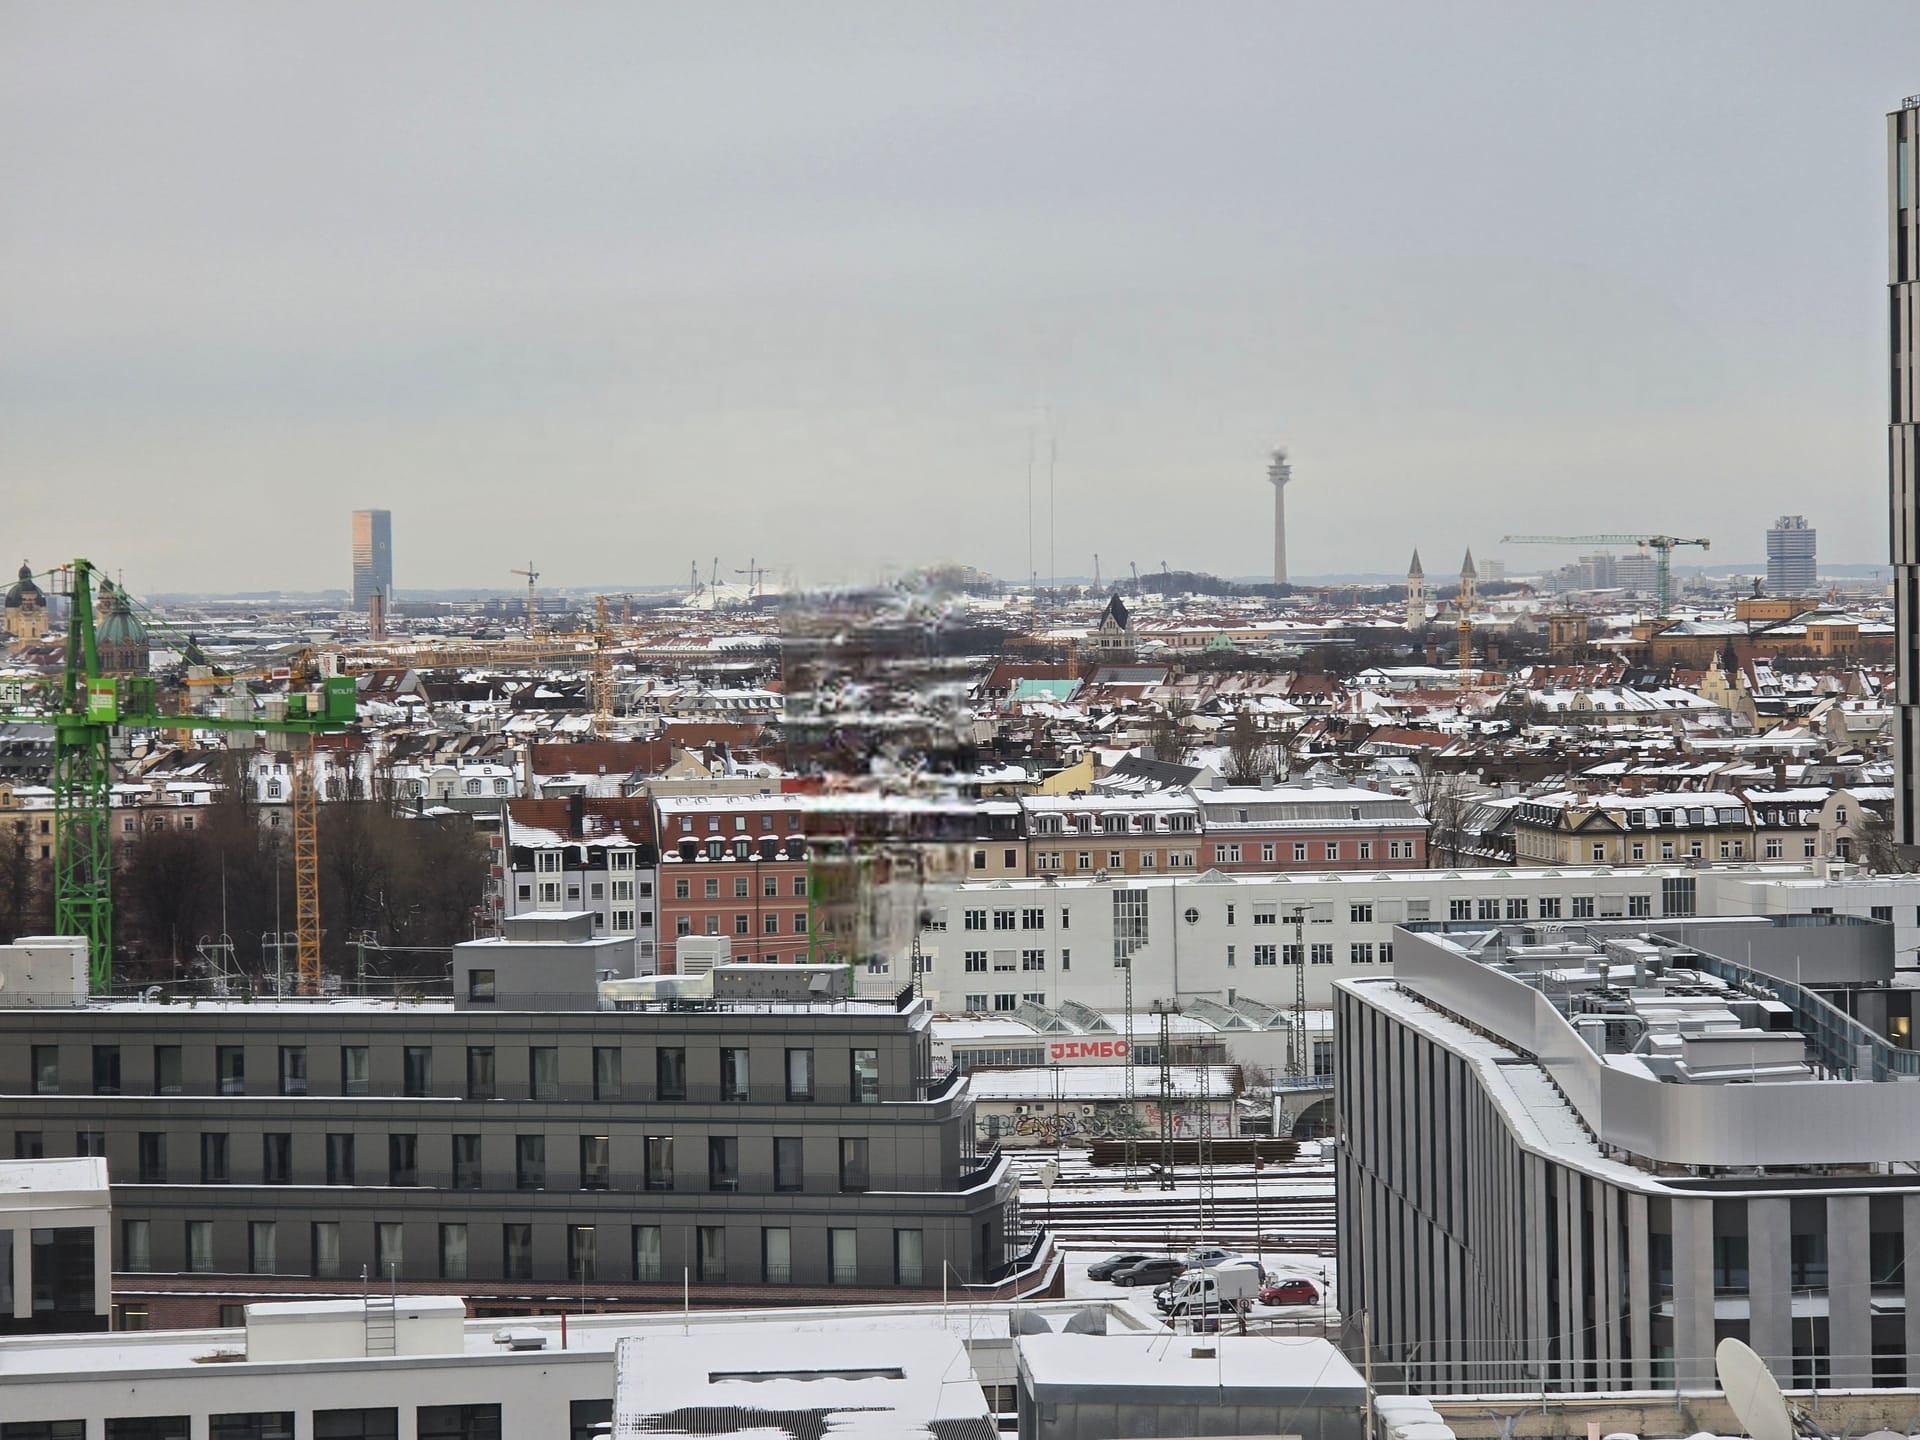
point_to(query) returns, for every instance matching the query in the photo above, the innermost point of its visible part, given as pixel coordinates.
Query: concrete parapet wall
(1479, 1417)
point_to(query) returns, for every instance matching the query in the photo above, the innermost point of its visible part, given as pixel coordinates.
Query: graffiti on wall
(1103, 1120)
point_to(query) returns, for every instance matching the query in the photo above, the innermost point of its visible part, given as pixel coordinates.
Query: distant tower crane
(532, 575)
(756, 574)
(602, 671)
(1661, 545)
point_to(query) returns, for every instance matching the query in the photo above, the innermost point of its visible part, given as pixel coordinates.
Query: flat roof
(1189, 1369)
(24, 1179)
(895, 1383)
(27, 1359)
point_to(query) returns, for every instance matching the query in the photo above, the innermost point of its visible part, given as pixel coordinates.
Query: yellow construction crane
(304, 671)
(602, 671)
(532, 575)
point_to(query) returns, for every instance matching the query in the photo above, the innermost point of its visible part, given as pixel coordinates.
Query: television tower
(1279, 473)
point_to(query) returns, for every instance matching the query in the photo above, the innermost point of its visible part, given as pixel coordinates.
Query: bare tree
(1441, 797)
(170, 888)
(1249, 754)
(1163, 734)
(26, 898)
(1879, 852)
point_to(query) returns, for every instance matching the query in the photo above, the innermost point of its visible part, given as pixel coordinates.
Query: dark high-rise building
(1903, 457)
(372, 555)
(1790, 556)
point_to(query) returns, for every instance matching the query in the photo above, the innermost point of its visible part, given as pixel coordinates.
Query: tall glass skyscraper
(1903, 461)
(372, 555)
(1790, 560)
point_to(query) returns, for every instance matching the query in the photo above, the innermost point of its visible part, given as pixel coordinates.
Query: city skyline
(1159, 245)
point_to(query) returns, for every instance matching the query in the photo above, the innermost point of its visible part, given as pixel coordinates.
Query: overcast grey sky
(613, 287)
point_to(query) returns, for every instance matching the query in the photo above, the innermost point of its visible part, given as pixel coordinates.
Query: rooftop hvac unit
(520, 1339)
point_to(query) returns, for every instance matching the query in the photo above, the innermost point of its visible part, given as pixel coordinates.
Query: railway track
(1091, 1208)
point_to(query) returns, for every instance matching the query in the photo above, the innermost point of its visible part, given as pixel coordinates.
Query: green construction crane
(1661, 545)
(90, 707)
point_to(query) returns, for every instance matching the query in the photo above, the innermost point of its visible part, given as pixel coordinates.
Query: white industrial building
(992, 947)
(410, 1368)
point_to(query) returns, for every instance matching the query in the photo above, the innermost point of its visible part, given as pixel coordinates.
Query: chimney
(1779, 772)
(576, 815)
(1433, 651)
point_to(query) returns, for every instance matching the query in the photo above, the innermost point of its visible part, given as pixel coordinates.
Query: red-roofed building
(595, 767)
(733, 868)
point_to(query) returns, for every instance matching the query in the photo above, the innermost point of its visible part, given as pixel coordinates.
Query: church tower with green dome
(121, 638)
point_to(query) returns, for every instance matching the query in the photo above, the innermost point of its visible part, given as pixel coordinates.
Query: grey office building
(754, 1149)
(1576, 1158)
(1903, 451)
(1791, 568)
(372, 556)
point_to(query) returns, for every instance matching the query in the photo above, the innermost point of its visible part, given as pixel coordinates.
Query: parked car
(1208, 1256)
(1291, 1291)
(1150, 1271)
(1104, 1269)
(1209, 1292)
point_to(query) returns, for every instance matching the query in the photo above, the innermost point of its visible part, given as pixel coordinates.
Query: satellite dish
(1752, 1391)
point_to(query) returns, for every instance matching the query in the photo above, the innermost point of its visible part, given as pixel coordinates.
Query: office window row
(431, 1422)
(483, 1080)
(465, 1168)
(230, 1070)
(1002, 1002)
(587, 1258)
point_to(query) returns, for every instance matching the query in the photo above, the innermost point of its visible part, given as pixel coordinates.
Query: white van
(1234, 1285)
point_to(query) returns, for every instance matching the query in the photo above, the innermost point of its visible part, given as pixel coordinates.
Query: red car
(1289, 1292)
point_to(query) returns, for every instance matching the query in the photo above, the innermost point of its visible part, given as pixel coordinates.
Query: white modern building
(1576, 1158)
(994, 946)
(413, 1369)
(56, 1250)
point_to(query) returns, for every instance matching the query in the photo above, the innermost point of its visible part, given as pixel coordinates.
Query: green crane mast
(90, 707)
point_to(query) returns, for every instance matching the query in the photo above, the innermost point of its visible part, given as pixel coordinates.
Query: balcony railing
(983, 1166)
